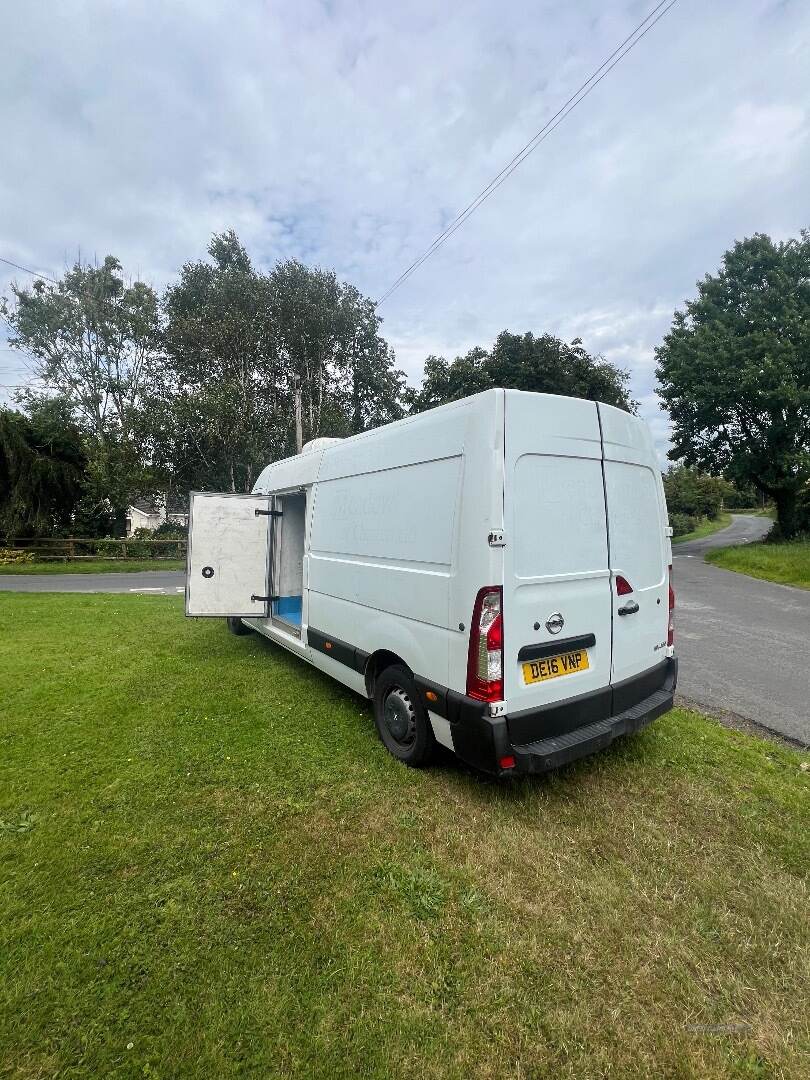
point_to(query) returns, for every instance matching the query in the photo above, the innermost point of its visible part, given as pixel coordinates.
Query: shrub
(691, 492)
(170, 531)
(9, 556)
(681, 523)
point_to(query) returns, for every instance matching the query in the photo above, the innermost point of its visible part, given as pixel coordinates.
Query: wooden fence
(77, 547)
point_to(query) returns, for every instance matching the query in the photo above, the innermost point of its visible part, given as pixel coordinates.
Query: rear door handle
(629, 609)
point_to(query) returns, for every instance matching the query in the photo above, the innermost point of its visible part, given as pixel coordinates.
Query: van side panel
(384, 537)
(479, 511)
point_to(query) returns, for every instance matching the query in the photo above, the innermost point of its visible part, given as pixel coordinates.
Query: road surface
(168, 582)
(744, 644)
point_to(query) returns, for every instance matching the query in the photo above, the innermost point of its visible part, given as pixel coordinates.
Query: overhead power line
(28, 270)
(578, 96)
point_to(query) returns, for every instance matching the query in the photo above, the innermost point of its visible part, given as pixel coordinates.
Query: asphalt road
(744, 644)
(168, 582)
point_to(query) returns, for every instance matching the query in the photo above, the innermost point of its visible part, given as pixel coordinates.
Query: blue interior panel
(288, 608)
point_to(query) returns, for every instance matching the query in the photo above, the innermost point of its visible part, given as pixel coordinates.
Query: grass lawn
(705, 528)
(93, 566)
(787, 563)
(210, 867)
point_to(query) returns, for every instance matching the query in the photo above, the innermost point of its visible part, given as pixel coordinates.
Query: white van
(495, 575)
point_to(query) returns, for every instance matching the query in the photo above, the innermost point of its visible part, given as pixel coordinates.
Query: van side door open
(229, 538)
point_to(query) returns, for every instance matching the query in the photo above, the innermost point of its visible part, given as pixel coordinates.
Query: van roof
(415, 418)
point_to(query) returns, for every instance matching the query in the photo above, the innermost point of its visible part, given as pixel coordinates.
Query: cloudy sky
(348, 134)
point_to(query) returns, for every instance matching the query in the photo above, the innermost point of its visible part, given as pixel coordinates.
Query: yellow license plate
(551, 667)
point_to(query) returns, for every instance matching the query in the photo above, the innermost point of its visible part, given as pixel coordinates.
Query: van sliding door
(228, 555)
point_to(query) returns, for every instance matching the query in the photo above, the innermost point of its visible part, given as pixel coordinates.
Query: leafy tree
(734, 371)
(369, 390)
(91, 337)
(42, 469)
(543, 364)
(693, 493)
(337, 370)
(212, 415)
(254, 365)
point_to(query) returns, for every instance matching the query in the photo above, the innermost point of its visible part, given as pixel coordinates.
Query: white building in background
(152, 513)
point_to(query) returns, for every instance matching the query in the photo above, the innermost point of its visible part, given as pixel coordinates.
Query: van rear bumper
(558, 739)
(557, 750)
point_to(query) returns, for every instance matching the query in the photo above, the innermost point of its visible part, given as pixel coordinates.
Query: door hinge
(268, 513)
(496, 538)
(264, 599)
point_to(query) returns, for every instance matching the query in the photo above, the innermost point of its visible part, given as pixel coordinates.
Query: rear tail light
(671, 627)
(485, 658)
(623, 586)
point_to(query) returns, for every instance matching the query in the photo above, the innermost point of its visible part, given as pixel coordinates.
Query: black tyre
(236, 626)
(402, 720)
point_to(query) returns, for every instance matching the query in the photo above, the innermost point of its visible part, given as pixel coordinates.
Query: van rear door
(557, 596)
(639, 546)
(227, 568)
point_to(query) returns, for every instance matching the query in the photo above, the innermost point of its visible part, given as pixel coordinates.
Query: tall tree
(212, 416)
(256, 364)
(91, 337)
(337, 370)
(543, 364)
(42, 469)
(734, 371)
(372, 391)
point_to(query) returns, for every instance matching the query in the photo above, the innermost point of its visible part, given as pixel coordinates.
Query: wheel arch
(376, 665)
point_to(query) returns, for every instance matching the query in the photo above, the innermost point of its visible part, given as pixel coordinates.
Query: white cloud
(348, 133)
(768, 134)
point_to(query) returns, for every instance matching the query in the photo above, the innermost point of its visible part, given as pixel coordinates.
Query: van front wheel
(236, 626)
(402, 720)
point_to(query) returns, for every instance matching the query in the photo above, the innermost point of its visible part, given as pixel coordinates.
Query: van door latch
(268, 513)
(496, 538)
(264, 599)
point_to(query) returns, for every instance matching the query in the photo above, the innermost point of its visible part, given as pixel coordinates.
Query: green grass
(787, 562)
(705, 528)
(93, 566)
(210, 867)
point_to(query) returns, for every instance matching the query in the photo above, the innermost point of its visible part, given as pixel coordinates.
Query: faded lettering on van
(393, 514)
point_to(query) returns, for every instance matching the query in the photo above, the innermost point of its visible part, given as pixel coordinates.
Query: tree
(337, 370)
(42, 469)
(213, 414)
(543, 364)
(734, 371)
(369, 390)
(694, 493)
(91, 337)
(254, 365)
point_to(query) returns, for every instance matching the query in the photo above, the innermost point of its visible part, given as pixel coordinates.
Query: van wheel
(236, 626)
(402, 720)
